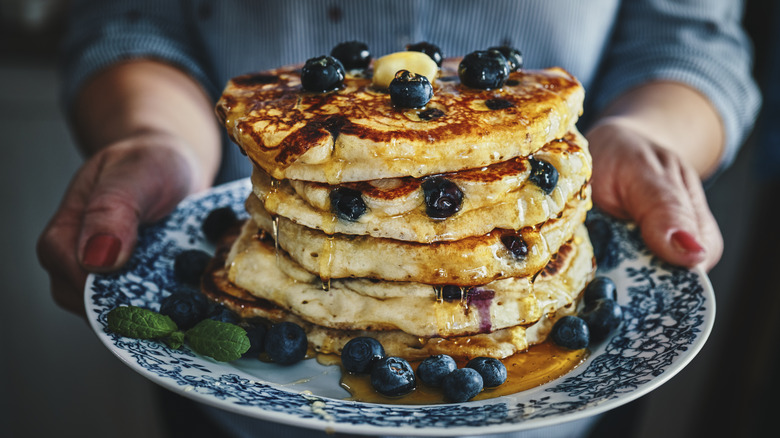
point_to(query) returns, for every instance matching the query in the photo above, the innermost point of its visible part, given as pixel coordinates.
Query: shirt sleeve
(104, 32)
(697, 42)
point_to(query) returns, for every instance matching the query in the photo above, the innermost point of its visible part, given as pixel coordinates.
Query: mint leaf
(219, 340)
(137, 322)
(175, 339)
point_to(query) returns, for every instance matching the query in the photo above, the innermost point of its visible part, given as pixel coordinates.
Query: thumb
(133, 185)
(668, 218)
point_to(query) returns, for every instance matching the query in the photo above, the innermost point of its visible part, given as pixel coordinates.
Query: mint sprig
(221, 340)
(137, 322)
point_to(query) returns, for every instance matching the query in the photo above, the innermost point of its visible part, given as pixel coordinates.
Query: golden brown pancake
(466, 262)
(495, 196)
(496, 319)
(356, 134)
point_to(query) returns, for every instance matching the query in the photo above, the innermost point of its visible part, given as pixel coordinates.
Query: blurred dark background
(57, 379)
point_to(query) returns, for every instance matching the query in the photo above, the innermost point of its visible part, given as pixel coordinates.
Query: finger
(57, 255)
(56, 246)
(709, 231)
(132, 187)
(662, 208)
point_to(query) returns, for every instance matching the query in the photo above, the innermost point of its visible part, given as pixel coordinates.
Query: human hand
(131, 182)
(633, 178)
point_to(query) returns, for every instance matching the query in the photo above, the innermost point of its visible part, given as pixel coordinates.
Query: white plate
(668, 314)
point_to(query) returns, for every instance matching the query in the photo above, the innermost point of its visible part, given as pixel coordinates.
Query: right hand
(134, 181)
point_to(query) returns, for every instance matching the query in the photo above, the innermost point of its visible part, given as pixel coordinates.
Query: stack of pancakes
(488, 280)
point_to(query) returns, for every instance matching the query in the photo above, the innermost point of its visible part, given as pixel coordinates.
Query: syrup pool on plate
(541, 364)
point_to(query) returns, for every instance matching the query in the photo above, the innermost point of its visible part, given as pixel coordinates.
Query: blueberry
(321, 74)
(218, 222)
(493, 372)
(514, 57)
(256, 334)
(429, 49)
(498, 104)
(442, 197)
(516, 245)
(605, 247)
(185, 309)
(570, 332)
(393, 376)
(353, 55)
(189, 265)
(434, 369)
(600, 287)
(462, 385)
(410, 90)
(223, 314)
(430, 114)
(543, 174)
(485, 69)
(451, 292)
(347, 203)
(359, 354)
(602, 317)
(286, 343)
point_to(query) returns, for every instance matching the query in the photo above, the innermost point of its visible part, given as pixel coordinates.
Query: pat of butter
(387, 66)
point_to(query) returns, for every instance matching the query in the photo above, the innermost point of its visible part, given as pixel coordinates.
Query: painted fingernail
(101, 250)
(684, 242)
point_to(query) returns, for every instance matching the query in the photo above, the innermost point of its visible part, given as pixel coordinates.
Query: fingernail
(684, 242)
(101, 250)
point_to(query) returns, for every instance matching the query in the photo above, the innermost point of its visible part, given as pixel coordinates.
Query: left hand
(633, 178)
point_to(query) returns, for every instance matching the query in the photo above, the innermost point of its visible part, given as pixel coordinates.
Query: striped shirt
(610, 45)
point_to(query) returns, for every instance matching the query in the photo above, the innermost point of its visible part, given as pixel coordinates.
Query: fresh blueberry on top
(602, 317)
(516, 245)
(321, 74)
(409, 90)
(218, 222)
(393, 376)
(359, 354)
(434, 369)
(189, 265)
(600, 287)
(286, 343)
(442, 197)
(570, 332)
(543, 174)
(185, 309)
(462, 385)
(347, 203)
(256, 334)
(485, 69)
(353, 55)
(514, 57)
(492, 370)
(429, 49)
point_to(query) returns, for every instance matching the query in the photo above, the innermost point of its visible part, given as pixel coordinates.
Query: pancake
(466, 262)
(496, 196)
(356, 134)
(410, 319)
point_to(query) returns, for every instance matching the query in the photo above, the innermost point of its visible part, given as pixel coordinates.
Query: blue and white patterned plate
(668, 314)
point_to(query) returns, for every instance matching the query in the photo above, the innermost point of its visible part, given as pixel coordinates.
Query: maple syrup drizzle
(327, 252)
(275, 184)
(541, 364)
